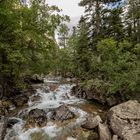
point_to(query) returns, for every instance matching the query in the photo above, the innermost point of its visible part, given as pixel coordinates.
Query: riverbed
(51, 95)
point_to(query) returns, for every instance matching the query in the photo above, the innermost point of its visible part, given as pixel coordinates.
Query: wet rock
(91, 94)
(37, 117)
(11, 122)
(36, 79)
(3, 126)
(5, 106)
(39, 136)
(92, 122)
(95, 94)
(124, 120)
(79, 92)
(35, 98)
(87, 135)
(104, 132)
(113, 100)
(20, 100)
(53, 87)
(62, 113)
(93, 136)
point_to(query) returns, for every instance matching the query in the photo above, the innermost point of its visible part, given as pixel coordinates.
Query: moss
(7, 103)
(39, 136)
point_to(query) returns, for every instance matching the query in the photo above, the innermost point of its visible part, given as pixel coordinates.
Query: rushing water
(52, 98)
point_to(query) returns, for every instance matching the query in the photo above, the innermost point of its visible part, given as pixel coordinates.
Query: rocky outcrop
(124, 120)
(92, 122)
(37, 117)
(95, 94)
(62, 113)
(3, 126)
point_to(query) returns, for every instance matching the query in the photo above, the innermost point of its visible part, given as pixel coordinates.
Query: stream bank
(52, 112)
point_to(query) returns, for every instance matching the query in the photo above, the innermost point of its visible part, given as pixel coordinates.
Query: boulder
(36, 79)
(62, 113)
(92, 122)
(3, 126)
(95, 94)
(5, 106)
(124, 120)
(104, 132)
(91, 94)
(113, 100)
(37, 117)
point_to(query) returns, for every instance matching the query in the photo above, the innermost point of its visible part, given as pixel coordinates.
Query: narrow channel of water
(51, 95)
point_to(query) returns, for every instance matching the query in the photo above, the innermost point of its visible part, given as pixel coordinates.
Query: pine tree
(82, 54)
(133, 20)
(97, 13)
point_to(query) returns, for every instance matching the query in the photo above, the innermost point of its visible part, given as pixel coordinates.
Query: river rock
(104, 132)
(91, 94)
(3, 126)
(95, 94)
(5, 106)
(35, 79)
(92, 122)
(38, 117)
(20, 100)
(11, 122)
(115, 137)
(124, 120)
(62, 113)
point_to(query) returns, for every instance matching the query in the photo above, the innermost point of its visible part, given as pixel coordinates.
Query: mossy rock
(7, 103)
(39, 136)
(93, 136)
(88, 135)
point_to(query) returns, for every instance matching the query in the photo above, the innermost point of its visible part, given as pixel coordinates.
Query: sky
(69, 7)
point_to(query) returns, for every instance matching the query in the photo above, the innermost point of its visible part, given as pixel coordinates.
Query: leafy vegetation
(103, 51)
(105, 47)
(27, 43)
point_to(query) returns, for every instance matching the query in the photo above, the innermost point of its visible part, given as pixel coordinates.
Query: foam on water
(71, 138)
(56, 98)
(51, 99)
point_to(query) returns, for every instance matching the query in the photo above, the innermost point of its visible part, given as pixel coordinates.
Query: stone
(3, 127)
(5, 106)
(95, 94)
(115, 137)
(124, 120)
(93, 136)
(91, 94)
(20, 100)
(113, 100)
(38, 117)
(11, 122)
(104, 132)
(62, 113)
(92, 122)
(35, 79)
